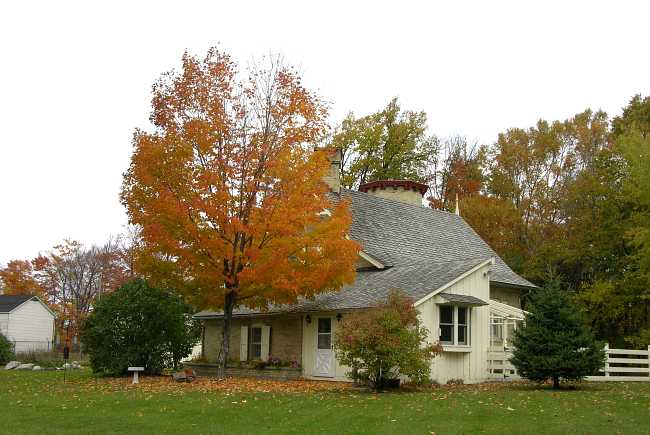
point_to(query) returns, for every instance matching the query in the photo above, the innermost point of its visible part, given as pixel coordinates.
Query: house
(467, 296)
(27, 322)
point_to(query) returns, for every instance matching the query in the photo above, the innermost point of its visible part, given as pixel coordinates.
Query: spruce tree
(554, 342)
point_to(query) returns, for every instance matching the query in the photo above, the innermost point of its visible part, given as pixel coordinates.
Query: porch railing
(499, 366)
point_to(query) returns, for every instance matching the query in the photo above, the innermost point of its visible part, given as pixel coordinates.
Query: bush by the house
(555, 343)
(6, 350)
(383, 343)
(138, 325)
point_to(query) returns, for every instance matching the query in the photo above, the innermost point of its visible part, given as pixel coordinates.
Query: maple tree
(17, 278)
(228, 193)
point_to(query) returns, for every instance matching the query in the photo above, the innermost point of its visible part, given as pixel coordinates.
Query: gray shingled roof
(396, 233)
(9, 303)
(422, 249)
(462, 299)
(371, 288)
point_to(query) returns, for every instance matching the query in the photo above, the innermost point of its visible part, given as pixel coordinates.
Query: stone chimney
(410, 192)
(333, 177)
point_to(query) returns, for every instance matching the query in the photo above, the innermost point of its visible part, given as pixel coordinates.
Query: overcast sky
(75, 80)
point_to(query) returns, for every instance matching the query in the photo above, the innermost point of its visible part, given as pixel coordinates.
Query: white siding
(4, 323)
(469, 366)
(31, 326)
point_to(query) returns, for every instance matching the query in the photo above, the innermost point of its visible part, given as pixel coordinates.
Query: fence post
(606, 359)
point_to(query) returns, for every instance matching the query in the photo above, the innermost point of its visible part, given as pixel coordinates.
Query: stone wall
(274, 373)
(285, 340)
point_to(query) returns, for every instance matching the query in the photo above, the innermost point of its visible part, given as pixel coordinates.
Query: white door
(324, 354)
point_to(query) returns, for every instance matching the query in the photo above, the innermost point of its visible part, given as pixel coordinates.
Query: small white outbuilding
(27, 322)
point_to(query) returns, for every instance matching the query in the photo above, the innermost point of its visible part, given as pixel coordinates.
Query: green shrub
(138, 325)
(6, 350)
(383, 343)
(554, 343)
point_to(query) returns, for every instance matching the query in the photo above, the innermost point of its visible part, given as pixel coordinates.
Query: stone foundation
(274, 373)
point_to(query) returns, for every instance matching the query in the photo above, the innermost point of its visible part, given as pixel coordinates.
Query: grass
(40, 403)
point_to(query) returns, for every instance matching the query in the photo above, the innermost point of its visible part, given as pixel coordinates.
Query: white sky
(75, 80)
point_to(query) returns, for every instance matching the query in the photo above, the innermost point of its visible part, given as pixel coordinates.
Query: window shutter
(266, 339)
(243, 344)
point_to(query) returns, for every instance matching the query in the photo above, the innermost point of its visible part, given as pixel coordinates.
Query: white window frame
(253, 343)
(455, 326)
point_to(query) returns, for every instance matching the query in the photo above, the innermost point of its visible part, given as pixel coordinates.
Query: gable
(473, 283)
(33, 305)
(8, 303)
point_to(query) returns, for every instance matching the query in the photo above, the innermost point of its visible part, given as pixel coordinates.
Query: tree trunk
(556, 383)
(229, 304)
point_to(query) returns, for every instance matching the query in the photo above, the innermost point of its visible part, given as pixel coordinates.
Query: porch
(258, 338)
(504, 321)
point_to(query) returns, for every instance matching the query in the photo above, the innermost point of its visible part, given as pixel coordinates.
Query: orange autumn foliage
(227, 190)
(17, 278)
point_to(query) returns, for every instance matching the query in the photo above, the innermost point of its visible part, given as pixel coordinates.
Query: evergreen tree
(554, 342)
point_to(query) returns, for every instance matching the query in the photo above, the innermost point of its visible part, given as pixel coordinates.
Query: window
(325, 333)
(454, 325)
(447, 324)
(462, 325)
(256, 343)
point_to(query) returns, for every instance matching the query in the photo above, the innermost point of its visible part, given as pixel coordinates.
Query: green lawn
(39, 402)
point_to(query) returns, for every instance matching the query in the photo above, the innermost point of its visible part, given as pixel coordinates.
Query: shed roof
(8, 303)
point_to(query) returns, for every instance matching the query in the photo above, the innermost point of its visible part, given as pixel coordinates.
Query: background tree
(228, 191)
(138, 325)
(74, 276)
(554, 342)
(457, 170)
(389, 144)
(17, 278)
(569, 195)
(383, 343)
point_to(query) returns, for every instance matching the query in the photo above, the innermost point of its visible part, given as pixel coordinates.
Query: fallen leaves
(164, 384)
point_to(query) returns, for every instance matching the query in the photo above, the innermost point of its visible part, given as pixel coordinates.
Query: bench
(136, 371)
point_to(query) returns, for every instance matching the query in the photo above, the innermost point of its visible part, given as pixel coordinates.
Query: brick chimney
(333, 177)
(410, 192)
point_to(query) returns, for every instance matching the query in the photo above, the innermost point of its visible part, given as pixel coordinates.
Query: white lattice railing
(499, 366)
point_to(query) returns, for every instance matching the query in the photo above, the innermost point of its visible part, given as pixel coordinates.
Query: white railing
(620, 365)
(499, 365)
(31, 346)
(625, 365)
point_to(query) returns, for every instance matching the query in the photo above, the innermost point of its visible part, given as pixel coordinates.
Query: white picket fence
(621, 365)
(625, 365)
